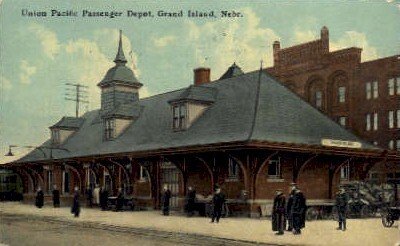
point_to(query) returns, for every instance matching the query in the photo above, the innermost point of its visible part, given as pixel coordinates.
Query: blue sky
(39, 55)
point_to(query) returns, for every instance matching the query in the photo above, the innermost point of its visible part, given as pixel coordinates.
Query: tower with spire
(120, 85)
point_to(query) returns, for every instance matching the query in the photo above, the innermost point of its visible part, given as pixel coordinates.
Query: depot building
(245, 132)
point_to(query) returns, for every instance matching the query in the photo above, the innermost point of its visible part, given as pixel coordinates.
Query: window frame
(391, 119)
(368, 90)
(375, 121)
(55, 136)
(341, 119)
(318, 99)
(179, 116)
(233, 169)
(375, 89)
(278, 169)
(109, 128)
(368, 122)
(345, 172)
(342, 94)
(143, 174)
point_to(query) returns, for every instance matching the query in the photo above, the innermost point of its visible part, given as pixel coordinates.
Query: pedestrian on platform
(278, 213)
(120, 201)
(341, 207)
(190, 201)
(56, 197)
(289, 208)
(39, 201)
(89, 197)
(218, 203)
(76, 208)
(96, 195)
(298, 211)
(165, 200)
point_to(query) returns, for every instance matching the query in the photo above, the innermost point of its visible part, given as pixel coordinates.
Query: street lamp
(10, 153)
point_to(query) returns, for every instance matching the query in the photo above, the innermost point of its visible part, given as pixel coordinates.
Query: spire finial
(120, 57)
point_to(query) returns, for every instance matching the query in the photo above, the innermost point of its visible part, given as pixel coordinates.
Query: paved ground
(360, 231)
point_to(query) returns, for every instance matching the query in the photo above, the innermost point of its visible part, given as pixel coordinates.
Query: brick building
(244, 132)
(363, 97)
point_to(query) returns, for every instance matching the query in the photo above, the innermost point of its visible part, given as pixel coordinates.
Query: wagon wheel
(387, 220)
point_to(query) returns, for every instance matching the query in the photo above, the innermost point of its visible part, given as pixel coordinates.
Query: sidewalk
(360, 231)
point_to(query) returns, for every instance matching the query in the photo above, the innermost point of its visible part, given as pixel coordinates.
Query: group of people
(293, 212)
(75, 209)
(218, 201)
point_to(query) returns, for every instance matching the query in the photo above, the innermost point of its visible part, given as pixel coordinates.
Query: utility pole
(79, 95)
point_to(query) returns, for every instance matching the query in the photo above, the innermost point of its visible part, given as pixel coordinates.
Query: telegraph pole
(79, 95)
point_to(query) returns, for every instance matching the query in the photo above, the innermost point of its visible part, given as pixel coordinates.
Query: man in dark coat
(165, 200)
(218, 202)
(89, 196)
(120, 200)
(76, 208)
(278, 213)
(190, 201)
(341, 207)
(39, 201)
(289, 208)
(298, 211)
(56, 197)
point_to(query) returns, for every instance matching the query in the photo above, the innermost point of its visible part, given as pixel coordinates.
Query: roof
(250, 107)
(68, 123)
(197, 93)
(120, 73)
(232, 71)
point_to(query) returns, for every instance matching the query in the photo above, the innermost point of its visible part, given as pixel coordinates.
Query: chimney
(276, 48)
(325, 39)
(201, 75)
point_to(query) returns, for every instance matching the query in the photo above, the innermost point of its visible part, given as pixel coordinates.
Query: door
(170, 177)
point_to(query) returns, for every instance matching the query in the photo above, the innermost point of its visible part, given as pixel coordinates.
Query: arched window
(315, 91)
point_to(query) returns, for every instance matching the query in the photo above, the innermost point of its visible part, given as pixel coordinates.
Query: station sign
(341, 143)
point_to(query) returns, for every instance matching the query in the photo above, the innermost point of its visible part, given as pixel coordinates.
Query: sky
(39, 55)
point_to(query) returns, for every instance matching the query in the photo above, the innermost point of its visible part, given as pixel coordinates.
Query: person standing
(56, 197)
(165, 200)
(341, 207)
(218, 203)
(190, 201)
(278, 213)
(289, 208)
(298, 211)
(89, 196)
(120, 200)
(39, 201)
(96, 195)
(76, 209)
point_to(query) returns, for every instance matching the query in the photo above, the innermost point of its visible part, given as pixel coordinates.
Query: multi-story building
(363, 97)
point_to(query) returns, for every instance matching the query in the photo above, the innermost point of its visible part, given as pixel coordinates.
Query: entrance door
(170, 177)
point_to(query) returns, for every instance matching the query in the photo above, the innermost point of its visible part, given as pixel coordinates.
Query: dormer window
(179, 112)
(55, 136)
(109, 129)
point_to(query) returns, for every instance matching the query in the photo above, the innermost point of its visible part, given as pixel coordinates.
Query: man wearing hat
(278, 213)
(341, 207)
(289, 203)
(218, 202)
(298, 211)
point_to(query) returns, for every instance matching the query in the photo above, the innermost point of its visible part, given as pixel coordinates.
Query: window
(274, 168)
(375, 121)
(66, 182)
(49, 181)
(109, 129)
(143, 174)
(345, 172)
(398, 86)
(391, 119)
(375, 89)
(398, 145)
(391, 144)
(342, 120)
(342, 94)
(391, 87)
(179, 117)
(368, 122)
(318, 99)
(233, 171)
(398, 118)
(55, 136)
(368, 90)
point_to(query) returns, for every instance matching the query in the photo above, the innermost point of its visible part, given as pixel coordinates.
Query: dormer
(232, 71)
(116, 121)
(63, 129)
(190, 105)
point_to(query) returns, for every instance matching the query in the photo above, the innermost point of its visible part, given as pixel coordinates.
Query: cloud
(304, 36)
(144, 92)
(355, 39)
(6, 83)
(27, 71)
(48, 39)
(219, 44)
(164, 41)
